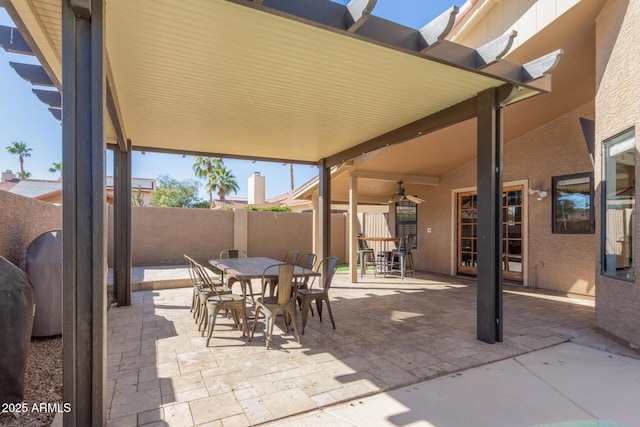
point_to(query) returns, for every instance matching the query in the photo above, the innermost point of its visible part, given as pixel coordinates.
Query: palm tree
(204, 168)
(21, 149)
(57, 167)
(223, 181)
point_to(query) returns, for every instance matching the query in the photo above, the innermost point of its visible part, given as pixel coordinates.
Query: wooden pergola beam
(447, 117)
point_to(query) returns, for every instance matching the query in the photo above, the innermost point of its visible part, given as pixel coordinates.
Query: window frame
(407, 204)
(554, 195)
(603, 207)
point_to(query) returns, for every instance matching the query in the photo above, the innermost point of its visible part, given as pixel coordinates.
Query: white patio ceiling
(241, 79)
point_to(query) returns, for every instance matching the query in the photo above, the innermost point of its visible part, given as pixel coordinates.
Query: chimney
(8, 176)
(256, 189)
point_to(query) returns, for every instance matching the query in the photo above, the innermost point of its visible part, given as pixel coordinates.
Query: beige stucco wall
(559, 262)
(22, 220)
(618, 109)
(161, 236)
(526, 17)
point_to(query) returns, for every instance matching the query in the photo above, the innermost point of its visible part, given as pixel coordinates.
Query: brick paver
(389, 333)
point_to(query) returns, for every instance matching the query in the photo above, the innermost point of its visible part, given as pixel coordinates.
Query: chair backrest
(291, 257)
(327, 268)
(205, 279)
(233, 253)
(190, 267)
(306, 261)
(362, 244)
(285, 281)
(411, 238)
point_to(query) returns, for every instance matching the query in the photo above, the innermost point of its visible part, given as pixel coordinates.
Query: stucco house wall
(526, 17)
(161, 236)
(559, 262)
(617, 109)
(22, 220)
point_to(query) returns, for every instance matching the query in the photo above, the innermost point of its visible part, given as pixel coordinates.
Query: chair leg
(202, 325)
(255, 321)
(212, 323)
(326, 299)
(413, 269)
(306, 306)
(294, 320)
(319, 306)
(245, 326)
(270, 318)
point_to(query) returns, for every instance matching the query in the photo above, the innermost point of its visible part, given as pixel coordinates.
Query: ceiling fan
(399, 196)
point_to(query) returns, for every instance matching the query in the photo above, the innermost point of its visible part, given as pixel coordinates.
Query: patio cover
(308, 81)
(283, 80)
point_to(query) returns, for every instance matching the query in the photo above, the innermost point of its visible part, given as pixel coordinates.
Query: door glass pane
(515, 264)
(466, 202)
(511, 229)
(514, 247)
(515, 197)
(514, 231)
(468, 216)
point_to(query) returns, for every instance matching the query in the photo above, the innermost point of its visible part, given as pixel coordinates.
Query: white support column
(353, 229)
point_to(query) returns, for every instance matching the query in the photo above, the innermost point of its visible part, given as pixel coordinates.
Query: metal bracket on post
(81, 8)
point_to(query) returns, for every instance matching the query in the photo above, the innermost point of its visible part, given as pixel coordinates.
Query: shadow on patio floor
(389, 333)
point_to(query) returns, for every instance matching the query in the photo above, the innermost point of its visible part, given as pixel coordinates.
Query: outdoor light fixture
(541, 194)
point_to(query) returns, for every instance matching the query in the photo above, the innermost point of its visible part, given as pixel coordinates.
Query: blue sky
(24, 118)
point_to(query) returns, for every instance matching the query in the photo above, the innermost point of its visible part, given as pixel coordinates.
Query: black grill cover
(16, 321)
(44, 268)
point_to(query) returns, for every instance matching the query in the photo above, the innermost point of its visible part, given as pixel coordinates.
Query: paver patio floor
(389, 333)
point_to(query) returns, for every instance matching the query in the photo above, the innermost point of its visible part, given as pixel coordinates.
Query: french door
(512, 236)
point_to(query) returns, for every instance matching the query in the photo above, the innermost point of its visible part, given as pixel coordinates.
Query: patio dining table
(243, 270)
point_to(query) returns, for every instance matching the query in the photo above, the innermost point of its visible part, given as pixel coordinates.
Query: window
(572, 209)
(407, 219)
(619, 170)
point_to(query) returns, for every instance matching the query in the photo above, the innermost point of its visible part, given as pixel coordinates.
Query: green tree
(175, 194)
(56, 168)
(136, 197)
(21, 149)
(223, 181)
(203, 167)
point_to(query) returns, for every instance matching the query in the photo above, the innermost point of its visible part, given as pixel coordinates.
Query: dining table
(382, 256)
(243, 270)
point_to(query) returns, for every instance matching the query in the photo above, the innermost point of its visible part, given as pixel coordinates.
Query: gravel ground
(43, 382)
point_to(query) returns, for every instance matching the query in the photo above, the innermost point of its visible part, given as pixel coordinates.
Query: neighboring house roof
(231, 202)
(45, 189)
(7, 185)
(35, 188)
(145, 184)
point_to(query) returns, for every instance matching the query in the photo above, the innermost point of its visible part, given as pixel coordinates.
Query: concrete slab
(565, 385)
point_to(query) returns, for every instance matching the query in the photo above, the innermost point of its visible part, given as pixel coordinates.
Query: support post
(324, 211)
(84, 213)
(122, 226)
(489, 232)
(353, 229)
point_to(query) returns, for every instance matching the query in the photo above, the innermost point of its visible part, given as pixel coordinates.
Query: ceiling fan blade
(414, 199)
(394, 198)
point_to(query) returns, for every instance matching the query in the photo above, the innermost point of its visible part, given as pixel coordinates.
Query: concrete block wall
(22, 220)
(161, 236)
